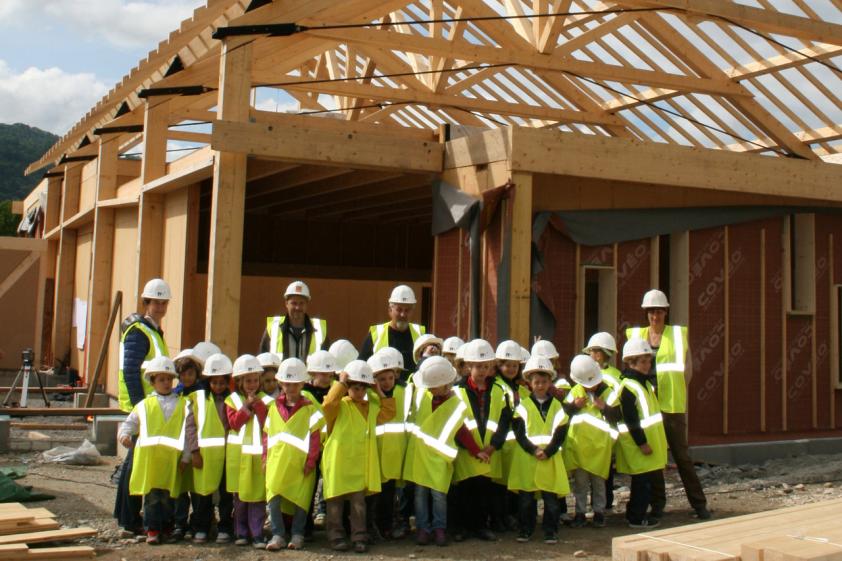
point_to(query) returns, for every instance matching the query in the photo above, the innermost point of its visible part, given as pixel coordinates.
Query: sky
(59, 57)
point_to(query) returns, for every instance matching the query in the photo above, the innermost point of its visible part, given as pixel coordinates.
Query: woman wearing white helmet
(477, 474)
(350, 463)
(642, 444)
(593, 405)
(670, 345)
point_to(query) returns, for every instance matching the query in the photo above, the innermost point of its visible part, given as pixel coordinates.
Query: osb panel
(598, 255)
(556, 287)
(774, 323)
(799, 374)
(744, 373)
(707, 330)
(81, 284)
(18, 302)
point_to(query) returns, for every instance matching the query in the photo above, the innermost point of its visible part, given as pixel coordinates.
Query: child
(590, 439)
(489, 417)
(425, 346)
(437, 421)
(343, 352)
(540, 426)
(449, 348)
(547, 350)
(159, 420)
(246, 410)
(350, 463)
(292, 432)
(602, 347)
(208, 426)
(642, 444)
(322, 367)
(387, 364)
(270, 363)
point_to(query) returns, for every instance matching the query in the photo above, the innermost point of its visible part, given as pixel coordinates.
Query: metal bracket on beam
(271, 29)
(69, 159)
(117, 129)
(175, 90)
(53, 174)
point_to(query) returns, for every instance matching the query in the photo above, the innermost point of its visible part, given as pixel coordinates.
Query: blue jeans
(423, 497)
(276, 517)
(158, 510)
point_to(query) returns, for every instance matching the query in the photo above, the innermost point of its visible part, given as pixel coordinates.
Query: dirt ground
(85, 497)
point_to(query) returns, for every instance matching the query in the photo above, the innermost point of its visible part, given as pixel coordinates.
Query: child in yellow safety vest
(246, 410)
(268, 384)
(489, 416)
(387, 364)
(593, 406)
(642, 444)
(207, 427)
(350, 462)
(436, 423)
(540, 426)
(292, 452)
(159, 422)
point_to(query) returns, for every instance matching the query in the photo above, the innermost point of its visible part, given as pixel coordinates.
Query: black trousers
(126, 506)
(203, 510)
(641, 495)
(528, 511)
(475, 502)
(675, 427)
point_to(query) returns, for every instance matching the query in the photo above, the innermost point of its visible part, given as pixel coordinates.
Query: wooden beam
(52, 216)
(463, 50)
(63, 299)
(679, 166)
(361, 150)
(228, 202)
(325, 189)
(71, 187)
(521, 257)
(306, 123)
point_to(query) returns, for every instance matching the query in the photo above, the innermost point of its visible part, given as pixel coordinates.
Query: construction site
(528, 168)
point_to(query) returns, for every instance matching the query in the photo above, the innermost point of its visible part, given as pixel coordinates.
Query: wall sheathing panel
(492, 256)
(87, 190)
(633, 266)
(707, 330)
(556, 286)
(744, 374)
(799, 382)
(446, 283)
(774, 318)
(80, 290)
(821, 346)
(124, 278)
(173, 262)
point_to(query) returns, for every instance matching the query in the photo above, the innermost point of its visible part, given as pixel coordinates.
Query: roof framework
(759, 76)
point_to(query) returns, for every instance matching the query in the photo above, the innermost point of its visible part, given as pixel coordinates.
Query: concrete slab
(759, 452)
(5, 433)
(105, 433)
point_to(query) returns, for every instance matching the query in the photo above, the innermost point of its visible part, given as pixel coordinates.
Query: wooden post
(70, 191)
(66, 263)
(521, 271)
(52, 217)
(150, 219)
(102, 248)
(834, 332)
(228, 204)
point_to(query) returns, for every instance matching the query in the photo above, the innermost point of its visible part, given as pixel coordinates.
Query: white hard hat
(186, 354)
(344, 352)
(218, 365)
(424, 341)
(526, 355)
(545, 348)
(601, 341)
(460, 352)
(156, 289)
(160, 365)
(385, 360)
(585, 371)
(359, 371)
(247, 364)
(321, 361)
(509, 350)
(292, 370)
(297, 288)
(269, 360)
(479, 350)
(636, 347)
(203, 350)
(538, 363)
(402, 294)
(435, 371)
(451, 345)
(655, 299)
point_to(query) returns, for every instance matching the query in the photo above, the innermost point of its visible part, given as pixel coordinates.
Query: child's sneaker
(223, 537)
(422, 537)
(153, 537)
(241, 541)
(259, 543)
(277, 543)
(523, 537)
(200, 537)
(177, 534)
(340, 544)
(297, 542)
(360, 547)
(319, 520)
(579, 521)
(598, 520)
(645, 523)
(551, 538)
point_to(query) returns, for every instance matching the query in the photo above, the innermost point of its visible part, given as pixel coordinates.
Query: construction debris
(802, 533)
(21, 526)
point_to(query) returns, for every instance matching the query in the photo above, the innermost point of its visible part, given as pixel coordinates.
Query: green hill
(19, 146)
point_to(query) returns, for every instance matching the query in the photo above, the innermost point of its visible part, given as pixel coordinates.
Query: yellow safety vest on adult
(670, 364)
(158, 448)
(157, 347)
(276, 339)
(528, 473)
(380, 334)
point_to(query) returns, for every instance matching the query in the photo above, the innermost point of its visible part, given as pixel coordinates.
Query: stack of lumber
(809, 532)
(20, 526)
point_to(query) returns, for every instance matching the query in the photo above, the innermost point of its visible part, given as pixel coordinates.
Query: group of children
(466, 444)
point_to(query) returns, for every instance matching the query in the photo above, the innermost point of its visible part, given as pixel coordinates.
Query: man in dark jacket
(296, 334)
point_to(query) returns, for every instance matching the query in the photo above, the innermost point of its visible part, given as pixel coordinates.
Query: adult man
(296, 334)
(142, 340)
(398, 332)
(673, 368)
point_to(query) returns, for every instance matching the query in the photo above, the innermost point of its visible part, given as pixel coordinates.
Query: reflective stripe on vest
(380, 334)
(145, 440)
(156, 344)
(677, 339)
(541, 439)
(594, 422)
(439, 443)
(648, 418)
(276, 340)
(255, 448)
(202, 408)
(302, 444)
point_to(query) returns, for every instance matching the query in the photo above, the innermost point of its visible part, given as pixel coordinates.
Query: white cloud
(122, 23)
(48, 98)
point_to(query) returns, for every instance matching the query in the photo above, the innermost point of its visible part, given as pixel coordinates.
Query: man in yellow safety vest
(398, 332)
(295, 334)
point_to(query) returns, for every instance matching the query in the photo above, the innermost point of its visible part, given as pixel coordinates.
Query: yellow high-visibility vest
(467, 466)
(211, 433)
(350, 462)
(244, 455)
(528, 473)
(590, 438)
(629, 457)
(158, 448)
(392, 436)
(670, 363)
(157, 347)
(380, 334)
(276, 338)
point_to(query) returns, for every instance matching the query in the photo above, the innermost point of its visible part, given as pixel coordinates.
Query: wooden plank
(762, 334)
(49, 536)
(21, 269)
(37, 525)
(361, 150)
(726, 346)
(15, 517)
(150, 225)
(59, 412)
(52, 214)
(70, 191)
(62, 553)
(521, 257)
(50, 426)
